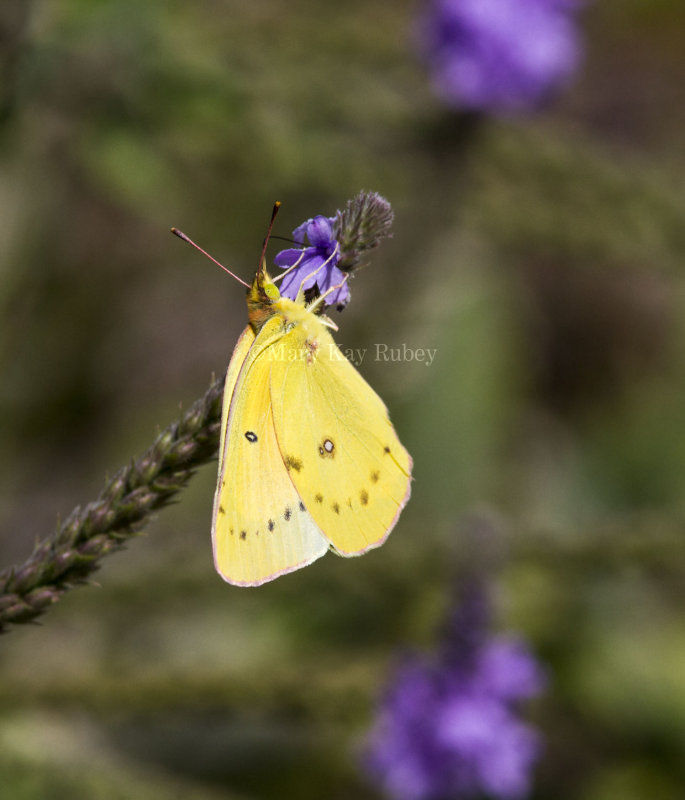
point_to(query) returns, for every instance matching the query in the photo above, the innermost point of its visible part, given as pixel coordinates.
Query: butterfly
(308, 458)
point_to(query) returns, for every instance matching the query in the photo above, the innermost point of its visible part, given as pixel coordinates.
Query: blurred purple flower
(447, 727)
(499, 55)
(323, 248)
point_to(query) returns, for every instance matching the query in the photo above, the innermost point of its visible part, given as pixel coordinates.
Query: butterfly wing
(349, 468)
(240, 352)
(260, 527)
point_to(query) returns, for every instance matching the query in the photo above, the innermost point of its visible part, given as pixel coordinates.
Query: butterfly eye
(271, 291)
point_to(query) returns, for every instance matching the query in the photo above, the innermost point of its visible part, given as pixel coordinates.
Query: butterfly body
(308, 457)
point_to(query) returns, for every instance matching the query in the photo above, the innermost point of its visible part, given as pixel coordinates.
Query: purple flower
(323, 249)
(499, 55)
(448, 727)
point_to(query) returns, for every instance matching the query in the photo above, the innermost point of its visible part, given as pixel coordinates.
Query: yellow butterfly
(308, 458)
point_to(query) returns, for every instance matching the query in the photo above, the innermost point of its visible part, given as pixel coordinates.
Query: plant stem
(68, 557)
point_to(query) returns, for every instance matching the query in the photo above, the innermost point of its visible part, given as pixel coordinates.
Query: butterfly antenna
(187, 239)
(262, 257)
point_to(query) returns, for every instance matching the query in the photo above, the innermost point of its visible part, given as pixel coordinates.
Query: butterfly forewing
(342, 453)
(240, 352)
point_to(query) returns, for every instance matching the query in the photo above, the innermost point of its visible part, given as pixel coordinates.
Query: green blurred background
(544, 257)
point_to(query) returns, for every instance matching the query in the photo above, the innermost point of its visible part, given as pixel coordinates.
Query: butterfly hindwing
(261, 528)
(340, 449)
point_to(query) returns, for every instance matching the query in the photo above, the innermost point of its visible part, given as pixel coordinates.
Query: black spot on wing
(251, 436)
(222, 510)
(386, 449)
(302, 508)
(336, 508)
(243, 535)
(318, 498)
(364, 497)
(270, 525)
(287, 513)
(375, 475)
(292, 463)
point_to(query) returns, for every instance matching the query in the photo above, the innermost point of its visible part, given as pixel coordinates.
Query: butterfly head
(261, 297)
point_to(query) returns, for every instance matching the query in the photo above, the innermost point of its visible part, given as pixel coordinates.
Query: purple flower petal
(317, 262)
(286, 258)
(300, 232)
(509, 671)
(506, 771)
(450, 727)
(499, 55)
(320, 233)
